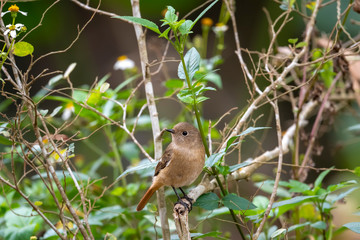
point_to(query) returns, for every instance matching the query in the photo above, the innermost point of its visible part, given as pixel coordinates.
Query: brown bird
(181, 163)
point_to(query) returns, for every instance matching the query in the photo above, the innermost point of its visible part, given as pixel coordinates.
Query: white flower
(13, 9)
(69, 109)
(124, 63)
(220, 28)
(12, 29)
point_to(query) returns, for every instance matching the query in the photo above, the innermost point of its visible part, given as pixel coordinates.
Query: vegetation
(76, 159)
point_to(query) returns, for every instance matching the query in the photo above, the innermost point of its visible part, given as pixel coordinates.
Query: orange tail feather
(147, 196)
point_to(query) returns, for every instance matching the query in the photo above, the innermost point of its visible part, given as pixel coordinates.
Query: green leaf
(223, 169)
(235, 202)
(246, 132)
(208, 201)
(214, 213)
(140, 167)
(334, 187)
(202, 13)
(22, 49)
(319, 225)
(126, 82)
(201, 99)
(297, 226)
(293, 200)
(278, 232)
(355, 127)
(321, 177)
(21, 223)
(214, 78)
(55, 111)
(170, 15)
(357, 171)
(55, 79)
(292, 40)
(344, 194)
(214, 234)
(214, 158)
(295, 186)
(301, 44)
(268, 186)
(353, 226)
(174, 83)
(240, 165)
(106, 213)
(165, 33)
(5, 141)
(79, 96)
(185, 96)
(143, 22)
(192, 62)
(185, 27)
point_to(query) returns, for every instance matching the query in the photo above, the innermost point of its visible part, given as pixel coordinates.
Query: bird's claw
(187, 206)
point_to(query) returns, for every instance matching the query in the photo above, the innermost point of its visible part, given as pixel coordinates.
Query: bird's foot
(190, 200)
(186, 203)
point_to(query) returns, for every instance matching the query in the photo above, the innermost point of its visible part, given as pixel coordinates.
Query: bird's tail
(155, 186)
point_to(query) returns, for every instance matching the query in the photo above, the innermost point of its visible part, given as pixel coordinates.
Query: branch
(154, 116)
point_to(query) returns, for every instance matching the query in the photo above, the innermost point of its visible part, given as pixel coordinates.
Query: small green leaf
(292, 40)
(43, 112)
(143, 22)
(293, 200)
(321, 177)
(214, 78)
(22, 49)
(278, 232)
(202, 13)
(192, 62)
(186, 96)
(343, 194)
(295, 186)
(357, 171)
(235, 202)
(55, 79)
(136, 169)
(55, 111)
(174, 83)
(240, 165)
(353, 226)
(355, 127)
(185, 27)
(208, 201)
(170, 15)
(301, 44)
(5, 141)
(215, 234)
(214, 158)
(165, 33)
(201, 99)
(319, 225)
(297, 226)
(223, 169)
(79, 96)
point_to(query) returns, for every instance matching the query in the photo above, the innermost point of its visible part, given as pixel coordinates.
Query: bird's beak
(170, 130)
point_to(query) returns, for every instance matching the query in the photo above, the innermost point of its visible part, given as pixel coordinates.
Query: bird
(181, 163)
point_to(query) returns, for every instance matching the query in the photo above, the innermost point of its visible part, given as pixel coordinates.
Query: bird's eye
(184, 133)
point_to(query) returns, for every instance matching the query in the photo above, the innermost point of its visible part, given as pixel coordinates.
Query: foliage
(76, 159)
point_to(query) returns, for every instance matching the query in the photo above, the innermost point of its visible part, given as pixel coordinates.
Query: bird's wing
(165, 160)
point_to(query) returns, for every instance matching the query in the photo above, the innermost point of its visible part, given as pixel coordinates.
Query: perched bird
(181, 163)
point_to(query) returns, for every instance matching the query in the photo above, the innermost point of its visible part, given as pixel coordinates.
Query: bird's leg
(181, 201)
(187, 198)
